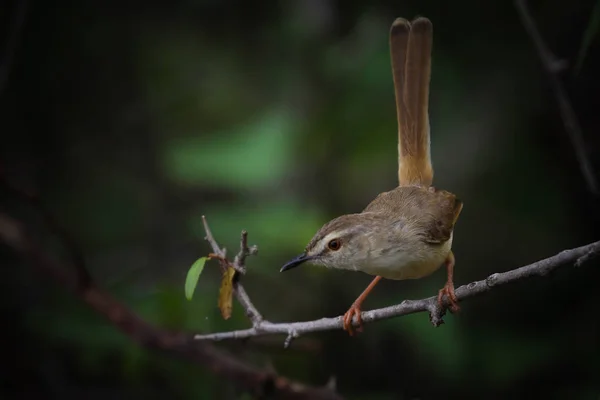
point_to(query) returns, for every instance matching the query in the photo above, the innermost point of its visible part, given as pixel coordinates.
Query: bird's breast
(407, 262)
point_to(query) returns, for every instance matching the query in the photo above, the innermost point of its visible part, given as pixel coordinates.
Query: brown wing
(440, 223)
(434, 211)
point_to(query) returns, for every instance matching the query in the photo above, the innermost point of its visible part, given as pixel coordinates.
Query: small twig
(211, 239)
(436, 313)
(240, 293)
(245, 251)
(553, 67)
(539, 268)
(290, 337)
(591, 253)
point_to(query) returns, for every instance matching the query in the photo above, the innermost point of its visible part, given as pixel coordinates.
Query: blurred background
(132, 119)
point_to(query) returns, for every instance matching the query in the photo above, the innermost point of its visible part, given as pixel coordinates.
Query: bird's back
(433, 212)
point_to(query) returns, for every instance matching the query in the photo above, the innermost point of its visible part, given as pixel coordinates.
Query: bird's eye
(334, 244)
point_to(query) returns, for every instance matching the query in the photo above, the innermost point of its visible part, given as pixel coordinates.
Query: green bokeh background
(134, 119)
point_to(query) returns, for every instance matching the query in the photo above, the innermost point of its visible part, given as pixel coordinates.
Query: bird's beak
(294, 262)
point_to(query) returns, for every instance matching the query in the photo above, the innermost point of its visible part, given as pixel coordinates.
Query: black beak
(293, 263)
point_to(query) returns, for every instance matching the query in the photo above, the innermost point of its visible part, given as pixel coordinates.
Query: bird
(407, 232)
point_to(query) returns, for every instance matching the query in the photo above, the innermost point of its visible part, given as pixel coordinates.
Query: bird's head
(340, 243)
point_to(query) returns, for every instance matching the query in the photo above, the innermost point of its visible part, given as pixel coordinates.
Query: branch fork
(239, 264)
(554, 66)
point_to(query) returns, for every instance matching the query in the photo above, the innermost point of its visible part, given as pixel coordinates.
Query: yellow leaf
(226, 293)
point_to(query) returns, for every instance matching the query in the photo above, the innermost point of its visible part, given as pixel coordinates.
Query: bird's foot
(349, 315)
(448, 290)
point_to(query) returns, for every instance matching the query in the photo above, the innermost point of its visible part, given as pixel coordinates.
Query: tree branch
(263, 383)
(553, 67)
(575, 257)
(82, 274)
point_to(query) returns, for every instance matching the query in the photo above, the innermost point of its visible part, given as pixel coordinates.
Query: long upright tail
(410, 45)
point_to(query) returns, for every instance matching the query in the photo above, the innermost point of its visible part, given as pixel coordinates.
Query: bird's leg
(355, 308)
(448, 288)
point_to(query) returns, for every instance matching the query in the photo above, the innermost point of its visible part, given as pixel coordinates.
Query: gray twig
(211, 239)
(245, 251)
(290, 337)
(553, 67)
(538, 268)
(240, 266)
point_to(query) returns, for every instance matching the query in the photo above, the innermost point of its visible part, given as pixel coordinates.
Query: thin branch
(211, 239)
(262, 383)
(540, 268)
(240, 293)
(83, 276)
(553, 68)
(245, 251)
(243, 298)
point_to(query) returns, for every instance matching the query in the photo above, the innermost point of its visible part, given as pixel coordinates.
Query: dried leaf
(226, 293)
(192, 277)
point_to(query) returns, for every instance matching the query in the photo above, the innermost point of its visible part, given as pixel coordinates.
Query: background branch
(83, 276)
(575, 257)
(553, 68)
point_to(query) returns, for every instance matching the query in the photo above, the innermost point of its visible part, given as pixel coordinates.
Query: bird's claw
(349, 315)
(448, 290)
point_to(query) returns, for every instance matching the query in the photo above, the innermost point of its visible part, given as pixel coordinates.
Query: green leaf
(192, 277)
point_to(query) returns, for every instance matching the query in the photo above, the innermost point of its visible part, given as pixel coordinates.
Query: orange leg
(355, 308)
(448, 289)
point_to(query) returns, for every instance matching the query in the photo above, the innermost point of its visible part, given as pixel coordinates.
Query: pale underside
(422, 260)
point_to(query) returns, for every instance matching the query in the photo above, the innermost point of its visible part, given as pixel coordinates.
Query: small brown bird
(405, 233)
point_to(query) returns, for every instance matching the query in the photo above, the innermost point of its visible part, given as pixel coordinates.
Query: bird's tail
(410, 45)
